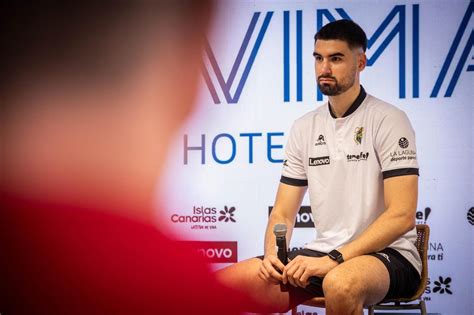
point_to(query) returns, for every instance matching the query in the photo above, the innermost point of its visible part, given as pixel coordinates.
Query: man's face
(337, 66)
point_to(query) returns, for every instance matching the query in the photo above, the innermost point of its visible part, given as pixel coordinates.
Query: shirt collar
(360, 98)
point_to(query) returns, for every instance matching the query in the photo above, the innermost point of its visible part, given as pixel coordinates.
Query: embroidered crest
(359, 134)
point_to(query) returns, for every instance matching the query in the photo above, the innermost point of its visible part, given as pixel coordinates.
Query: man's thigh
(366, 277)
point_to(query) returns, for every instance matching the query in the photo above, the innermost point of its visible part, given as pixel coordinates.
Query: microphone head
(279, 230)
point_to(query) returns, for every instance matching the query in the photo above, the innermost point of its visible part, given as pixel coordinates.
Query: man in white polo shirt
(356, 157)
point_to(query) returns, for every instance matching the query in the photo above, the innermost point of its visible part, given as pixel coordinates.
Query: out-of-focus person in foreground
(91, 95)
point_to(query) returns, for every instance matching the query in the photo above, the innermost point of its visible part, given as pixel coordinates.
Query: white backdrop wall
(258, 78)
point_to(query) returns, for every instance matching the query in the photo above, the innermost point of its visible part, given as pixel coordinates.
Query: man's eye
(336, 59)
(318, 58)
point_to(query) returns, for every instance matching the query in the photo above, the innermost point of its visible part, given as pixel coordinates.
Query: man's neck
(341, 103)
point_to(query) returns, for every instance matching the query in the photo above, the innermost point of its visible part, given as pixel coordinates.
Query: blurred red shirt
(68, 260)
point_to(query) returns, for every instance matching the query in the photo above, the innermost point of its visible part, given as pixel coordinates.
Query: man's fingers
(304, 278)
(276, 263)
(297, 276)
(271, 270)
(290, 272)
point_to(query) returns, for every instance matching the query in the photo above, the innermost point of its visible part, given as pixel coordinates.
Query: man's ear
(361, 61)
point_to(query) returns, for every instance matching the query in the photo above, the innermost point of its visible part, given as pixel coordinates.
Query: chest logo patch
(320, 140)
(359, 134)
(358, 157)
(317, 161)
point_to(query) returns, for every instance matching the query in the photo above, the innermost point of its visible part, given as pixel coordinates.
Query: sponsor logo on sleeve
(403, 143)
(404, 154)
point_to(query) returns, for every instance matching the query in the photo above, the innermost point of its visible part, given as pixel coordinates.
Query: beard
(336, 87)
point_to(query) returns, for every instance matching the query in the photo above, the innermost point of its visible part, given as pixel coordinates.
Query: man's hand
(267, 269)
(298, 271)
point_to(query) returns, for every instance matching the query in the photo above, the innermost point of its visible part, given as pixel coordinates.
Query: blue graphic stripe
(286, 56)
(379, 51)
(460, 65)
(253, 54)
(384, 25)
(401, 50)
(299, 56)
(452, 50)
(343, 14)
(416, 50)
(209, 84)
(242, 50)
(217, 71)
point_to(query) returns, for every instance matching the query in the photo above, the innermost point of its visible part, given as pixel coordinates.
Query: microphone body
(282, 252)
(280, 234)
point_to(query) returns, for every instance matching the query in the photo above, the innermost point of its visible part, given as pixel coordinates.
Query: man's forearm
(270, 241)
(380, 234)
(400, 195)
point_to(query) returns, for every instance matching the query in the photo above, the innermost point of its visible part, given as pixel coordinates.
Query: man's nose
(325, 67)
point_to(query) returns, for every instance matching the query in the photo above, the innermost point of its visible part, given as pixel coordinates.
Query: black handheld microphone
(280, 233)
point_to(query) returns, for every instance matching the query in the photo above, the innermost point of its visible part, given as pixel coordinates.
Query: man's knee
(341, 286)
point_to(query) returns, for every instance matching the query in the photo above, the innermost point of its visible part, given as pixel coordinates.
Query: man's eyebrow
(332, 55)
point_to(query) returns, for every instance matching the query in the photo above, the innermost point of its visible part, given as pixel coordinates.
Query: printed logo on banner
(435, 251)
(225, 148)
(470, 216)
(358, 157)
(442, 285)
(205, 218)
(227, 214)
(304, 312)
(304, 217)
(216, 251)
(394, 26)
(422, 216)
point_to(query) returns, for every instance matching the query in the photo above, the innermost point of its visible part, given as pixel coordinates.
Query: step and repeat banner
(258, 77)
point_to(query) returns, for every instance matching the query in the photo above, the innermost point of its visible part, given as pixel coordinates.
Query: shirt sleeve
(396, 146)
(294, 172)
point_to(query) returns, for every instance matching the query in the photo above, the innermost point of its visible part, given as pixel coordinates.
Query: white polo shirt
(344, 161)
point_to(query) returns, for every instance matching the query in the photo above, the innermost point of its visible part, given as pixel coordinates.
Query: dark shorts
(404, 279)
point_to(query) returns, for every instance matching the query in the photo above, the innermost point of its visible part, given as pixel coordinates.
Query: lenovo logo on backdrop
(304, 217)
(215, 251)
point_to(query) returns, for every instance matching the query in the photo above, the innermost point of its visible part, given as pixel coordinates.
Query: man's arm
(400, 195)
(287, 203)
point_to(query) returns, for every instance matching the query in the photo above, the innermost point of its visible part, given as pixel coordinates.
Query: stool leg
(371, 310)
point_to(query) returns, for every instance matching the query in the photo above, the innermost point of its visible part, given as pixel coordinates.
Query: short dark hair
(345, 30)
